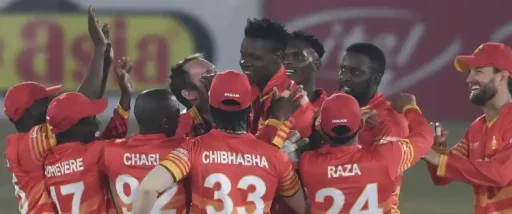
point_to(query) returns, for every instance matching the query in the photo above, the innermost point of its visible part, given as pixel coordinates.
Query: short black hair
(267, 29)
(310, 40)
(341, 131)
(151, 106)
(179, 79)
(371, 51)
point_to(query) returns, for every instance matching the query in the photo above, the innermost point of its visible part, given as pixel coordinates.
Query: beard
(361, 94)
(484, 95)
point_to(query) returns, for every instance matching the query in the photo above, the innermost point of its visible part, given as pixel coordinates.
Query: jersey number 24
(369, 194)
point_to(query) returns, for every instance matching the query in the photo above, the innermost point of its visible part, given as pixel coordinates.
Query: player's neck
(237, 132)
(493, 108)
(309, 87)
(148, 131)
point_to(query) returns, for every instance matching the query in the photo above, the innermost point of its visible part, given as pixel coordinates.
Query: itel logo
(412, 54)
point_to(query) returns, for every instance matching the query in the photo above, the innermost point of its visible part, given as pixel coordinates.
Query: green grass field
(419, 195)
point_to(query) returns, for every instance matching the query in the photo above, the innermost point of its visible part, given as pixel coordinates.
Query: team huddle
(263, 140)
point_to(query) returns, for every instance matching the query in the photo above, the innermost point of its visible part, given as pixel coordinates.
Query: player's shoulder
(389, 114)
(97, 145)
(478, 123)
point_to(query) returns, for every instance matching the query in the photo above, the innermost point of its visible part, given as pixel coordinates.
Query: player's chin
(250, 75)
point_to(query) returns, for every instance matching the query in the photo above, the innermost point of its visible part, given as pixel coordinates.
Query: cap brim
(98, 106)
(52, 91)
(464, 63)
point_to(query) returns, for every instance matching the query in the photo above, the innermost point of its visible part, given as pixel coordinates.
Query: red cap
(488, 54)
(340, 110)
(21, 96)
(69, 108)
(230, 85)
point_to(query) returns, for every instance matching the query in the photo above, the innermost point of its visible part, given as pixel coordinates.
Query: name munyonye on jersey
(64, 167)
(135, 159)
(234, 158)
(343, 170)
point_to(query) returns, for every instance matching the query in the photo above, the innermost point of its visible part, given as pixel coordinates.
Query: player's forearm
(297, 202)
(91, 85)
(107, 62)
(483, 172)
(125, 101)
(432, 171)
(421, 137)
(117, 127)
(144, 201)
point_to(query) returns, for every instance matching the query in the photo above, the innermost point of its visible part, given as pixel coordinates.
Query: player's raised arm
(118, 124)
(407, 151)
(91, 85)
(289, 186)
(172, 169)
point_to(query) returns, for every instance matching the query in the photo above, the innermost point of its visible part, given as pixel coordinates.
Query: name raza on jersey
(343, 170)
(134, 159)
(234, 158)
(64, 167)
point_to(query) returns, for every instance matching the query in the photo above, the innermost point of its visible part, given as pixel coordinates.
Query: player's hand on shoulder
(123, 69)
(369, 116)
(402, 100)
(282, 106)
(440, 135)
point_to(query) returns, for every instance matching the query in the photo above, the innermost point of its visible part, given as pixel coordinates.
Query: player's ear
(189, 94)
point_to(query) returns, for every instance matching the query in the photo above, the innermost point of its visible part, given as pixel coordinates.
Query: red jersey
(190, 124)
(76, 182)
(391, 125)
(354, 179)
(318, 98)
(301, 120)
(128, 161)
(232, 173)
(25, 154)
(482, 158)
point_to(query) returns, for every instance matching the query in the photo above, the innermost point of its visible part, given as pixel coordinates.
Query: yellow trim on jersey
(124, 113)
(409, 107)
(441, 168)
(407, 154)
(273, 122)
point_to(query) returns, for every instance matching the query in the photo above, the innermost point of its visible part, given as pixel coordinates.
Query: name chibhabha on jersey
(234, 158)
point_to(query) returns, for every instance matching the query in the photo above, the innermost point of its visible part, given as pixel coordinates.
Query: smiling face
(258, 61)
(197, 69)
(483, 83)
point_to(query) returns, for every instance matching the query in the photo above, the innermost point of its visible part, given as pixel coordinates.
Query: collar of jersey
(148, 136)
(339, 149)
(276, 81)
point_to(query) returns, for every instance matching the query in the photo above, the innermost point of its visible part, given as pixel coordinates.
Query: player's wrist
(274, 122)
(411, 107)
(124, 113)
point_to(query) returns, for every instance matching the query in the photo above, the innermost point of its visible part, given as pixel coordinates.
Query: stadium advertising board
(420, 39)
(56, 48)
